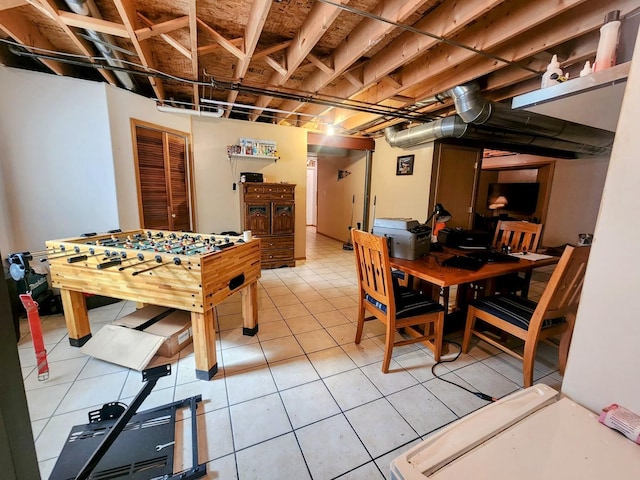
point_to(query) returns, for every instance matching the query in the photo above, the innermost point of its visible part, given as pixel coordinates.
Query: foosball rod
(157, 258)
(176, 261)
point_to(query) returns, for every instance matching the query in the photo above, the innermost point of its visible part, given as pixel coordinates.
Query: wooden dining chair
(396, 306)
(532, 322)
(517, 235)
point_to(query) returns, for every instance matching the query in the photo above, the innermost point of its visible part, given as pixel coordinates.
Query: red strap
(31, 306)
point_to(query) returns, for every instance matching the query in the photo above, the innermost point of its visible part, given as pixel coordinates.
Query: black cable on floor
(480, 395)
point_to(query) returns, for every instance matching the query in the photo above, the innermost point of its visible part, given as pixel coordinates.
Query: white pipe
(188, 111)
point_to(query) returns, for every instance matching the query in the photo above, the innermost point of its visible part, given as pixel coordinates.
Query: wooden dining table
(430, 269)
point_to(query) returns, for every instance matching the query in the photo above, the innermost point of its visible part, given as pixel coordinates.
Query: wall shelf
(592, 100)
(253, 157)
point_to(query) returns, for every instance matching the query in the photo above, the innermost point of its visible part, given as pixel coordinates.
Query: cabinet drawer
(249, 189)
(268, 243)
(277, 258)
(283, 192)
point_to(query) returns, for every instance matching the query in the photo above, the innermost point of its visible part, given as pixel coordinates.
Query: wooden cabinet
(268, 210)
(454, 181)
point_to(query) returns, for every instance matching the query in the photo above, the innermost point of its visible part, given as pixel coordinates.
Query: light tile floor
(300, 399)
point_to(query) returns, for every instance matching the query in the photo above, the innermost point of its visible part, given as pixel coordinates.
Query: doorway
(164, 177)
(312, 191)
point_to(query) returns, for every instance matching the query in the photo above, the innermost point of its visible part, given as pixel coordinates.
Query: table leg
(76, 317)
(250, 309)
(204, 343)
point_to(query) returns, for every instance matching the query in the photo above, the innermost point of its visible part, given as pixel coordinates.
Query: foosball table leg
(204, 343)
(250, 309)
(76, 317)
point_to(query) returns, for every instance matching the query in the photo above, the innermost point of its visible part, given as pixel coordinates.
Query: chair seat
(409, 303)
(513, 309)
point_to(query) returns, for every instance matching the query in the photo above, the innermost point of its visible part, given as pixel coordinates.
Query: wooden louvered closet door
(163, 171)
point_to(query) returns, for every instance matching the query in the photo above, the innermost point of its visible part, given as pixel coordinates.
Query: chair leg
(360, 324)
(528, 360)
(438, 338)
(388, 349)
(471, 320)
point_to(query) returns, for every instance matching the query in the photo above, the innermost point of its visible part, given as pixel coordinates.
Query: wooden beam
(314, 26)
(50, 9)
(92, 23)
(350, 143)
(193, 44)
(447, 20)
(537, 40)
(320, 64)
(184, 51)
(7, 4)
(367, 34)
(162, 27)
(275, 65)
(206, 49)
(128, 14)
(356, 82)
(224, 43)
(23, 31)
(253, 30)
(273, 49)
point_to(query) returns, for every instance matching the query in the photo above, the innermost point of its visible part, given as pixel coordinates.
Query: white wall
(576, 192)
(604, 363)
(405, 195)
(57, 168)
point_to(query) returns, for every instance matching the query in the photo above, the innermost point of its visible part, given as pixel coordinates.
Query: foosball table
(187, 271)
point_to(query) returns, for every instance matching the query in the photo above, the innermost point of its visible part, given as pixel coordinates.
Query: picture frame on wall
(405, 165)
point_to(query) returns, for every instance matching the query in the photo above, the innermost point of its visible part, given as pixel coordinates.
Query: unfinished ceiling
(359, 65)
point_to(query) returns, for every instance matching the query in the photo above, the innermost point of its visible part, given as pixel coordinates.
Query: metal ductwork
(479, 119)
(102, 41)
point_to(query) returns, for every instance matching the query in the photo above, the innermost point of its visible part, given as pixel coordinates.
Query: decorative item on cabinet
(268, 210)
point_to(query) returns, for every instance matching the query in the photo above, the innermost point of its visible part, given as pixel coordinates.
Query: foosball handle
(110, 263)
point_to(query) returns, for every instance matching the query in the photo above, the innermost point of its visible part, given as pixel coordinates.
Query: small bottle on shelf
(609, 32)
(552, 68)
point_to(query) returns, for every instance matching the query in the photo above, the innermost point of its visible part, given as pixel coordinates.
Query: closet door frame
(189, 177)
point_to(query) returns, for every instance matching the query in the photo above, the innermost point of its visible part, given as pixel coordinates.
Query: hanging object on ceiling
(342, 174)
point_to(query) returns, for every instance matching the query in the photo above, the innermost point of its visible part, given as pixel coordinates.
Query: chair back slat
(562, 294)
(372, 259)
(520, 236)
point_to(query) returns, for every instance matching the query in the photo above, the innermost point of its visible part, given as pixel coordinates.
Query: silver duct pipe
(473, 108)
(479, 119)
(102, 41)
(449, 127)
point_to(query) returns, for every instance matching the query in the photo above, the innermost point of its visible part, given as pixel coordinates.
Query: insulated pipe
(199, 113)
(449, 127)
(473, 108)
(102, 41)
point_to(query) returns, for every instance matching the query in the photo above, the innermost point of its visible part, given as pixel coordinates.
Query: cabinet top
(270, 184)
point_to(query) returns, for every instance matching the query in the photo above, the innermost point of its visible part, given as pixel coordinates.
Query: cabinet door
(454, 182)
(257, 218)
(283, 218)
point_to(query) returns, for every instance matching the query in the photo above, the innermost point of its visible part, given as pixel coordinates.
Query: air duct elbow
(449, 127)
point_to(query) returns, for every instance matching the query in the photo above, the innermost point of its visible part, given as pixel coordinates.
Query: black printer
(459, 238)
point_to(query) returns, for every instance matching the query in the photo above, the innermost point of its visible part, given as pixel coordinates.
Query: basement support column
(367, 190)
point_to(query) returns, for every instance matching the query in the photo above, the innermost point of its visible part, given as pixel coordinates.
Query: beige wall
(123, 106)
(217, 204)
(335, 197)
(405, 196)
(576, 193)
